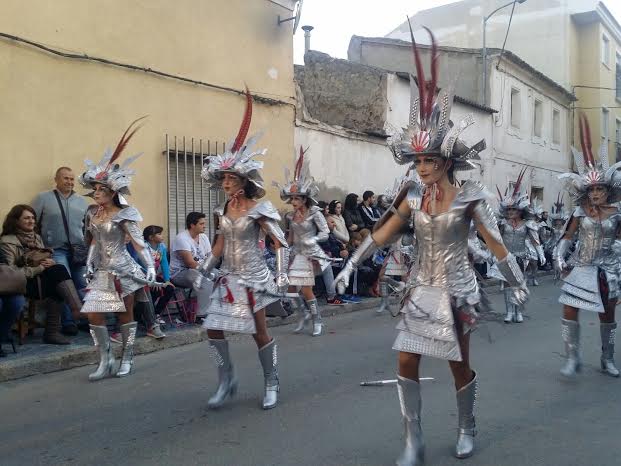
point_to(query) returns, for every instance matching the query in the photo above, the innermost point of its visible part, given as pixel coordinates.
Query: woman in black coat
(351, 214)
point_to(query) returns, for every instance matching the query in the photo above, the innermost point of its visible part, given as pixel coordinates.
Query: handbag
(78, 252)
(12, 280)
(34, 257)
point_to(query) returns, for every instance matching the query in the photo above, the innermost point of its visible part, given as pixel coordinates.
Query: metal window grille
(187, 192)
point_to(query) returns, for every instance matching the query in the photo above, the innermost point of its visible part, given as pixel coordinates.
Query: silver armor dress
(113, 262)
(397, 259)
(594, 253)
(443, 294)
(306, 252)
(245, 284)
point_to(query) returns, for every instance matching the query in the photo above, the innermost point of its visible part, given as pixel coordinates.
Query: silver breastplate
(242, 255)
(595, 240)
(304, 229)
(110, 238)
(443, 248)
(515, 238)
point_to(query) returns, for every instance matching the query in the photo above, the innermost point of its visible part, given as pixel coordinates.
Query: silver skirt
(395, 265)
(581, 288)
(233, 304)
(301, 271)
(102, 296)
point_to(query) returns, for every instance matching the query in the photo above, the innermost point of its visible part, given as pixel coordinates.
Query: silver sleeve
(282, 260)
(272, 228)
(510, 269)
(483, 216)
(322, 227)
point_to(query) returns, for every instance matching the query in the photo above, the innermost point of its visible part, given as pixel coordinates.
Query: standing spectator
(369, 213)
(191, 248)
(351, 214)
(23, 249)
(47, 206)
(155, 243)
(340, 231)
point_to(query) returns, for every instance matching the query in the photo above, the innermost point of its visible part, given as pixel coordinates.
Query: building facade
(532, 112)
(59, 109)
(576, 43)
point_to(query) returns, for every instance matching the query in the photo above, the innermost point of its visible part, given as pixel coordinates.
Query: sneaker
(115, 337)
(350, 298)
(156, 332)
(334, 301)
(159, 320)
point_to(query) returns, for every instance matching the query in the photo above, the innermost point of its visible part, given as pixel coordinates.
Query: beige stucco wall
(57, 111)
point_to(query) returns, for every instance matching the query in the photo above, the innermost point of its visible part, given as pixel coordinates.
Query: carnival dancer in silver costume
(520, 235)
(542, 237)
(110, 268)
(558, 218)
(591, 274)
(441, 298)
(244, 285)
(306, 226)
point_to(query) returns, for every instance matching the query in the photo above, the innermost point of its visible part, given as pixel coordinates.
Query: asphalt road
(526, 413)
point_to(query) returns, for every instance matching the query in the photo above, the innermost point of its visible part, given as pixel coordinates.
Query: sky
(335, 21)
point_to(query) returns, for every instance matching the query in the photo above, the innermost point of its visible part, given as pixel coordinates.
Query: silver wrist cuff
(510, 269)
(561, 250)
(208, 264)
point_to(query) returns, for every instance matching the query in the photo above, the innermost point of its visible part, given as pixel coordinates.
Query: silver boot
(509, 306)
(106, 358)
(384, 293)
(410, 401)
(268, 355)
(305, 316)
(608, 331)
(570, 331)
(316, 316)
(466, 398)
(519, 318)
(227, 382)
(128, 332)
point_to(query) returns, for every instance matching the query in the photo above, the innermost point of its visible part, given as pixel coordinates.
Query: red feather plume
(499, 193)
(420, 75)
(431, 90)
(245, 126)
(124, 140)
(585, 141)
(298, 165)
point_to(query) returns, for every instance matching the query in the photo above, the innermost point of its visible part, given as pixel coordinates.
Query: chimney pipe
(307, 30)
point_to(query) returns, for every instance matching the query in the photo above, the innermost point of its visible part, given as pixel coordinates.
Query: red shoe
(334, 302)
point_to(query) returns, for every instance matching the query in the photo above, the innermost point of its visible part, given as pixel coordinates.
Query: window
(605, 50)
(536, 193)
(556, 127)
(538, 118)
(618, 78)
(605, 131)
(186, 190)
(516, 108)
(618, 142)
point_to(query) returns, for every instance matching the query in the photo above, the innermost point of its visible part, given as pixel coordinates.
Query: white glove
(151, 274)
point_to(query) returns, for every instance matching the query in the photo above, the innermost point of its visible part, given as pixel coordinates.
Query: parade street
(526, 413)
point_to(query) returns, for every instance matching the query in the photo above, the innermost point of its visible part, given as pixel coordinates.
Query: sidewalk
(34, 357)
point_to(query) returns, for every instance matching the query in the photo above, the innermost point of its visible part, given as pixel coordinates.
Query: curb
(79, 356)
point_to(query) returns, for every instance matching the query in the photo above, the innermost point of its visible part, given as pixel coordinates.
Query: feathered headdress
(517, 200)
(430, 130)
(558, 210)
(301, 184)
(590, 171)
(108, 172)
(238, 159)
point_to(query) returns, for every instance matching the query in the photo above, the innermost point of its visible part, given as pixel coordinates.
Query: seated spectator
(11, 306)
(368, 212)
(323, 205)
(22, 248)
(340, 232)
(155, 243)
(190, 249)
(383, 204)
(351, 214)
(368, 271)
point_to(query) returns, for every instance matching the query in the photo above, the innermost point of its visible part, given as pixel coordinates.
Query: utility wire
(105, 61)
(506, 35)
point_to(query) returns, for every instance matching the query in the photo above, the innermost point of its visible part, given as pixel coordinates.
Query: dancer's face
(598, 195)
(231, 184)
(557, 224)
(298, 202)
(513, 214)
(102, 194)
(430, 169)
